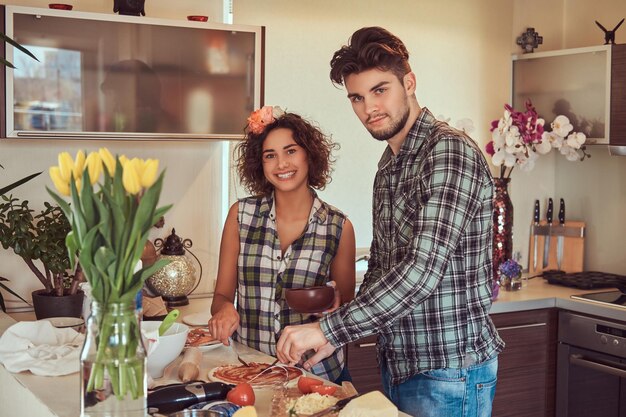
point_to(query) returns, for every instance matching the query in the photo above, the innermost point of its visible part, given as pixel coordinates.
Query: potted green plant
(40, 241)
(3, 191)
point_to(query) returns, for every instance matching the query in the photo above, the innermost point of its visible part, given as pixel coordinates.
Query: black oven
(591, 367)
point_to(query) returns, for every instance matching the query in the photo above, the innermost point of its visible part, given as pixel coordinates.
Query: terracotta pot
(47, 305)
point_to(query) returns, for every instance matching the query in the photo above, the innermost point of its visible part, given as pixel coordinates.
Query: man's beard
(395, 128)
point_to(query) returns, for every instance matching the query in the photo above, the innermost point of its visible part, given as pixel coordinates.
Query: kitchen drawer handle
(606, 367)
(364, 345)
(521, 326)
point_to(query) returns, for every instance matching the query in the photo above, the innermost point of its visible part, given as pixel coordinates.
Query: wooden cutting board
(573, 249)
(282, 398)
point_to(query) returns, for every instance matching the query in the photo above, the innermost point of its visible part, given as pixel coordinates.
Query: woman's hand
(336, 303)
(224, 323)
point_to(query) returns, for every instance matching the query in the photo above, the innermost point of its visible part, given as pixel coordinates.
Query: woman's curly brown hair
(318, 148)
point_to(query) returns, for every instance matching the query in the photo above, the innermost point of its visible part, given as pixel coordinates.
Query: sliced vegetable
(305, 383)
(242, 394)
(323, 389)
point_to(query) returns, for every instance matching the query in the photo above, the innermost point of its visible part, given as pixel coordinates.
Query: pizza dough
(255, 374)
(200, 337)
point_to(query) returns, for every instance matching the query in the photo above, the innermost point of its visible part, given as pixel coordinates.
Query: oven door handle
(604, 366)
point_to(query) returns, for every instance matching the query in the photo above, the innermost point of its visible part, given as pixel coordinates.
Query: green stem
(126, 375)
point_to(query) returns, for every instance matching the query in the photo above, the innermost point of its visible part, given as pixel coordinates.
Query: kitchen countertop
(27, 394)
(539, 294)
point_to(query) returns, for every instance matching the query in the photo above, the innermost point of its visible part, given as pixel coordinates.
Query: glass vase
(113, 363)
(511, 283)
(502, 226)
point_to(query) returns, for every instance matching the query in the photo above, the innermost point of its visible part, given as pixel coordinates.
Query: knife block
(573, 234)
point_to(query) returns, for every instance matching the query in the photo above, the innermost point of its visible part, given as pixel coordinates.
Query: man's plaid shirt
(427, 291)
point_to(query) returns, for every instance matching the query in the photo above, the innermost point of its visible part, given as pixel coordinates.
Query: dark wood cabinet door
(363, 365)
(527, 366)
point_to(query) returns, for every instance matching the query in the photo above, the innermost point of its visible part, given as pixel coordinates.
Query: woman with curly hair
(282, 237)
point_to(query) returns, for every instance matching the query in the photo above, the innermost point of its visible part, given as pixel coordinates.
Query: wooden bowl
(310, 300)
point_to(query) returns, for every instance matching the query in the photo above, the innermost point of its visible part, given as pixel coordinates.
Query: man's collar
(420, 129)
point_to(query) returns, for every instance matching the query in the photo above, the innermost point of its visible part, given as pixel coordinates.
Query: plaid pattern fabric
(264, 272)
(427, 291)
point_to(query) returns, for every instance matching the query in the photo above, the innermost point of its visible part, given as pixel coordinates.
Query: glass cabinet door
(140, 77)
(574, 83)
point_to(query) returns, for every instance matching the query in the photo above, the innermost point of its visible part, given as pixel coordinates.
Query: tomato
(242, 394)
(305, 383)
(324, 389)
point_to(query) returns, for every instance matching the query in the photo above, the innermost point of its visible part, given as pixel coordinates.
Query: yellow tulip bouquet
(109, 229)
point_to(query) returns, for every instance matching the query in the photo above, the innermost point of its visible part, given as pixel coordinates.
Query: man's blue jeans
(464, 392)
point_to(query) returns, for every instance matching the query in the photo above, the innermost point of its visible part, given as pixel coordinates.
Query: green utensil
(168, 321)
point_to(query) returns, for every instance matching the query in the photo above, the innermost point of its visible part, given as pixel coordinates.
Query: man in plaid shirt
(427, 291)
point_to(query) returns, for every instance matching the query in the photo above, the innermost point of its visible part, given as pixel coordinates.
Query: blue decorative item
(529, 40)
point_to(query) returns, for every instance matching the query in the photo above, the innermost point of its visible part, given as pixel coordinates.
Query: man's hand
(320, 354)
(295, 340)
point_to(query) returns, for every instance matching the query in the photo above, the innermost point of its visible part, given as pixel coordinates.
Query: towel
(41, 348)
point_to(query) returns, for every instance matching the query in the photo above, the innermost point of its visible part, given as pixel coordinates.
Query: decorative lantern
(176, 280)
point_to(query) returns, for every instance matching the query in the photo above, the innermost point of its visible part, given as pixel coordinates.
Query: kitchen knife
(536, 223)
(561, 239)
(338, 406)
(546, 246)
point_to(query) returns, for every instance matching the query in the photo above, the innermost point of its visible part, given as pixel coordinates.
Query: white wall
(595, 189)
(459, 51)
(461, 54)
(195, 170)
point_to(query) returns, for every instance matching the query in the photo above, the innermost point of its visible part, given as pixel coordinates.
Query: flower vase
(502, 226)
(511, 283)
(113, 363)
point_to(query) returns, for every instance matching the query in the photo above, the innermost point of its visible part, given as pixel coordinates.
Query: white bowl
(169, 347)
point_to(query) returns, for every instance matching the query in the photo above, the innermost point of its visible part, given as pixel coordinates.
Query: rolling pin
(189, 368)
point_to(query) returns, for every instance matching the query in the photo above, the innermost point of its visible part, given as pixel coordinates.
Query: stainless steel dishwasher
(591, 367)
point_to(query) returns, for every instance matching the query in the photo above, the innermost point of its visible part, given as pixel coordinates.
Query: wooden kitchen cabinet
(527, 366)
(363, 365)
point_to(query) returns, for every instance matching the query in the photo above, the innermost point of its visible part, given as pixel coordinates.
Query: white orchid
(518, 138)
(561, 126)
(527, 162)
(465, 124)
(575, 140)
(443, 118)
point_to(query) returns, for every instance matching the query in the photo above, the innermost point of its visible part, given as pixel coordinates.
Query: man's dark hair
(370, 47)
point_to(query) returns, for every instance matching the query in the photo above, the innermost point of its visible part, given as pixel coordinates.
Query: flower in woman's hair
(510, 268)
(262, 117)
